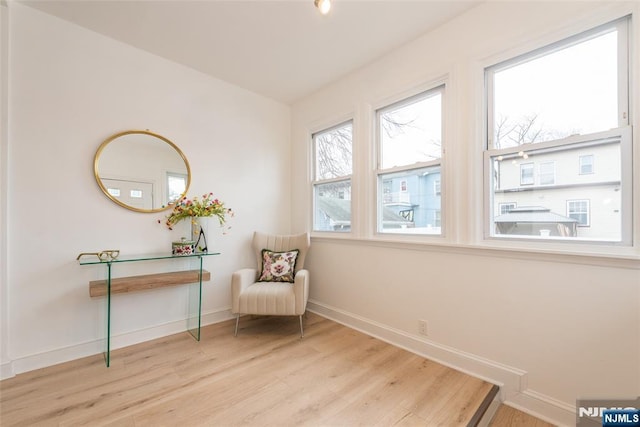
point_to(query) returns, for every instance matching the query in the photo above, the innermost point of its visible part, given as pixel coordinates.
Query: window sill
(617, 257)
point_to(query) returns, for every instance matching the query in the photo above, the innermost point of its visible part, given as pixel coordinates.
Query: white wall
(540, 324)
(5, 364)
(549, 327)
(69, 90)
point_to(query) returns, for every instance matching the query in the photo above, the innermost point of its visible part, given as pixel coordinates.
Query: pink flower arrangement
(196, 207)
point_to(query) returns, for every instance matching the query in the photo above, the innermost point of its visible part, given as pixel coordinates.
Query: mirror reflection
(141, 171)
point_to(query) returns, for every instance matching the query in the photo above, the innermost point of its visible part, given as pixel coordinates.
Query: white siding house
(538, 190)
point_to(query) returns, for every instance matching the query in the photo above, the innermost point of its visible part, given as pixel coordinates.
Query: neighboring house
(409, 202)
(535, 220)
(333, 207)
(416, 198)
(570, 193)
(333, 214)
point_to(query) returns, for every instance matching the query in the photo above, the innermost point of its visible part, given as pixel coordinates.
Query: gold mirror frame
(106, 142)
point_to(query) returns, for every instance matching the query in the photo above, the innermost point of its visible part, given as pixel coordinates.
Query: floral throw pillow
(278, 266)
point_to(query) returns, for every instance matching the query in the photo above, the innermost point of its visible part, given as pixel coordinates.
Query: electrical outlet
(422, 327)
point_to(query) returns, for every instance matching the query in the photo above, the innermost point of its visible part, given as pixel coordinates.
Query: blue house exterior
(415, 197)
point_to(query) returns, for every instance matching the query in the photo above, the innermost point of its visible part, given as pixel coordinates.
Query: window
(526, 174)
(560, 90)
(579, 210)
(586, 164)
(332, 180)
(506, 207)
(176, 186)
(547, 174)
(409, 136)
(546, 110)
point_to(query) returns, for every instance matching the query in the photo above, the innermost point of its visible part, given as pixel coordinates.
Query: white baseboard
(512, 381)
(6, 370)
(544, 407)
(66, 354)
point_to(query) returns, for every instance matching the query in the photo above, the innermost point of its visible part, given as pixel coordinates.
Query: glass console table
(112, 285)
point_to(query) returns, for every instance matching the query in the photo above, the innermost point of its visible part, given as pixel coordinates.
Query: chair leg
(235, 334)
(301, 329)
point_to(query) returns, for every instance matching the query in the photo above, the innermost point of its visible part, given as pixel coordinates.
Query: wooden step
(484, 405)
(98, 288)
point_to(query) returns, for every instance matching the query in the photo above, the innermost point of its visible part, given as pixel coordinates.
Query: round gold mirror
(141, 171)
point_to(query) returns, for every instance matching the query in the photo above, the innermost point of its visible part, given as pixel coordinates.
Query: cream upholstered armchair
(280, 284)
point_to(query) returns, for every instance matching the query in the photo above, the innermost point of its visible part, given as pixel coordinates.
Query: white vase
(199, 230)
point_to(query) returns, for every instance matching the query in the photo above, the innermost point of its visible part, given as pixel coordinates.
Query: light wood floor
(266, 376)
(507, 416)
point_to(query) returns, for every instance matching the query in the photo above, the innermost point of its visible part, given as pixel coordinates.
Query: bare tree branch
(526, 130)
(334, 153)
(392, 126)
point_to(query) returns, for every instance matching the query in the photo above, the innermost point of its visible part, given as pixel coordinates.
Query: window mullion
(490, 112)
(623, 72)
(332, 180)
(418, 165)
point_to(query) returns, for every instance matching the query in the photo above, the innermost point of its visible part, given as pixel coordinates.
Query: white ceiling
(281, 49)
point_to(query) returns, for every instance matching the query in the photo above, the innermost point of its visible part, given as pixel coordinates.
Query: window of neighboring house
(547, 173)
(579, 210)
(526, 174)
(436, 187)
(548, 108)
(586, 164)
(332, 178)
(506, 207)
(409, 139)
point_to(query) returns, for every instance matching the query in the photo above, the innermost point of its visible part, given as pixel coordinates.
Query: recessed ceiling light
(324, 6)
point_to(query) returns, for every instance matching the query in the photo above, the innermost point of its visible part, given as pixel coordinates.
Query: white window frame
(529, 166)
(501, 206)
(315, 182)
(552, 174)
(588, 203)
(591, 163)
(623, 132)
(621, 25)
(380, 172)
